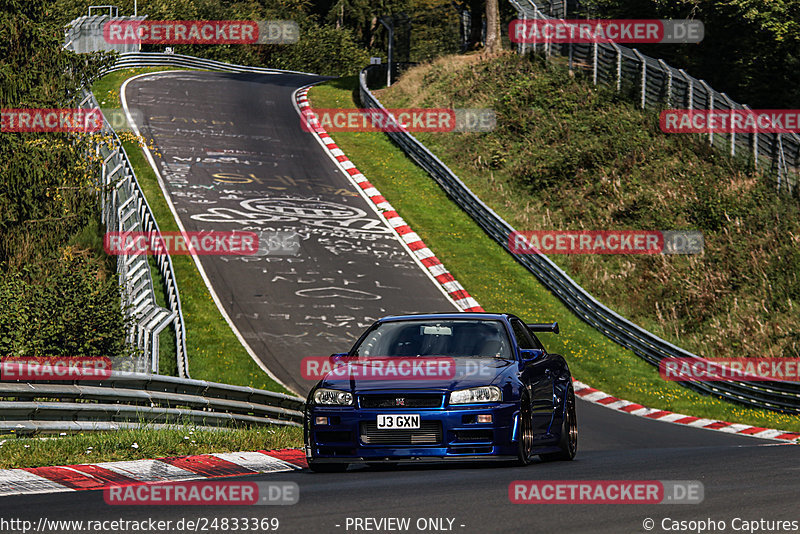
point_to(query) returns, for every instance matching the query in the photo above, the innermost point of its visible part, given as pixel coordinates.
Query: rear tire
(318, 467)
(525, 439)
(569, 432)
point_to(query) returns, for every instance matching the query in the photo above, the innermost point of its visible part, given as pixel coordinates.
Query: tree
(494, 42)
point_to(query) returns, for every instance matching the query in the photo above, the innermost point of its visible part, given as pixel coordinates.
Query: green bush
(63, 308)
(323, 50)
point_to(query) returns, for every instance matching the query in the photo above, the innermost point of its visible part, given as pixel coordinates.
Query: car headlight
(333, 396)
(473, 395)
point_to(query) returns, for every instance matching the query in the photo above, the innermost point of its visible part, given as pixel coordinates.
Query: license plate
(398, 421)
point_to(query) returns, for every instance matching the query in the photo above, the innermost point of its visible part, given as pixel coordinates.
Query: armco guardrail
(135, 60)
(125, 209)
(657, 84)
(780, 396)
(136, 399)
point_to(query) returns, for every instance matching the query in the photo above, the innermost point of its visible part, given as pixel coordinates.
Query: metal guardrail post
(689, 89)
(731, 106)
(782, 166)
(754, 141)
(644, 78)
(668, 70)
(710, 97)
(524, 16)
(619, 66)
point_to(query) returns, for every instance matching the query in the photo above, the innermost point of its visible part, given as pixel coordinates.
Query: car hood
(468, 372)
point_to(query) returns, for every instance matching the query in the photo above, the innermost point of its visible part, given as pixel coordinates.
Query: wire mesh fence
(655, 84)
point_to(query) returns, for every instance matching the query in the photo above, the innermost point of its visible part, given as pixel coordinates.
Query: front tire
(525, 439)
(318, 467)
(569, 432)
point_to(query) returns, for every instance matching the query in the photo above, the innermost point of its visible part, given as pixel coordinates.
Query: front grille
(429, 433)
(399, 400)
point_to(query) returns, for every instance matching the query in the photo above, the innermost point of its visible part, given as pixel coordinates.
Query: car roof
(449, 315)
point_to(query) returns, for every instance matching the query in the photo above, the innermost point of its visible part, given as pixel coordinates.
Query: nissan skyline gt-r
(442, 387)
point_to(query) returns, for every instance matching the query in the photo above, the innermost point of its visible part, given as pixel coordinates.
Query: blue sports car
(443, 387)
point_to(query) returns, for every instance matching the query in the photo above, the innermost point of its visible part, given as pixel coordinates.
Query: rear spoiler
(544, 327)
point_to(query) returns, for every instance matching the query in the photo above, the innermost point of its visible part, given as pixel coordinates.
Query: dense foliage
(751, 48)
(335, 38)
(57, 293)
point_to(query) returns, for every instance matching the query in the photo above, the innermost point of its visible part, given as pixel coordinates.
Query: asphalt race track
(235, 157)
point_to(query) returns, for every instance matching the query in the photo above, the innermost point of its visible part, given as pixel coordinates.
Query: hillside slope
(567, 155)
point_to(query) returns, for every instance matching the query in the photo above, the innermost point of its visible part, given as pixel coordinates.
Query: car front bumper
(450, 434)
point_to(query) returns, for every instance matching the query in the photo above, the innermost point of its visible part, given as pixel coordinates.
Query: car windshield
(452, 337)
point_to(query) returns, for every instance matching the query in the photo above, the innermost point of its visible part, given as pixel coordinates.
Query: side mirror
(529, 355)
(338, 358)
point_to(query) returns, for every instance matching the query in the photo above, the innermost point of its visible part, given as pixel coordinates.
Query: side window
(522, 335)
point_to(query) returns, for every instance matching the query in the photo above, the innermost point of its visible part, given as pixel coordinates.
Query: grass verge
(142, 443)
(501, 284)
(213, 350)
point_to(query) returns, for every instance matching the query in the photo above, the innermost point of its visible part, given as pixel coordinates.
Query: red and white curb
(179, 468)
(467, 303)
(609, 401)
(418, 248)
